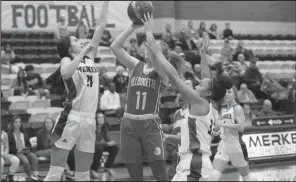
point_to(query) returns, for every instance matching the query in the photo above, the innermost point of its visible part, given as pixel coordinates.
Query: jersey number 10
(144, 95)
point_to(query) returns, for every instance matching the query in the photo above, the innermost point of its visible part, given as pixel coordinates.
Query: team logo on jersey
(157, 151)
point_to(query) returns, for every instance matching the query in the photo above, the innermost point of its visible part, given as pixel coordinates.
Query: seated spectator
(242, 65)
(81, 31)
(191, 36)
(266, 110)
(253, 77)
(7, 55)
(103, 78)
(178, 50)
(20, 86)
(292, 95)
(241, 50)
(249, 116)
(43, 143)
(20, 146)
(103, 144)
(189, 74)
(201, 29)
(106, 39)
(245, 95)
(120, 80)
(227, 51)
(133, 49)
(213, 31)
(273, 88)
(110, 101)
(227, 32)
(7, 158)
(35, 83)
(168, 37)
(182, 40)
(62, 29)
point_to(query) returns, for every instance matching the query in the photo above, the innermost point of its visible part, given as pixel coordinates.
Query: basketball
(137, 9)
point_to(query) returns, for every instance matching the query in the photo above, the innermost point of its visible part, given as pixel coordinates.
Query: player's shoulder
(238, 109)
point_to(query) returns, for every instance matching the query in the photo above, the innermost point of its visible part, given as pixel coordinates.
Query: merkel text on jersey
(88, 69)
(143, 82)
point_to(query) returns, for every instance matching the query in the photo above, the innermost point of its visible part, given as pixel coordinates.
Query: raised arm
(68, 66)
(188, 93)
(148, 23)
(99, 29)
(205, 69)
(123, 56)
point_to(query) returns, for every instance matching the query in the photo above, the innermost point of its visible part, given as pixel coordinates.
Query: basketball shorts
(76, 128)
(139, 138)
(234, 151)
(193, 167)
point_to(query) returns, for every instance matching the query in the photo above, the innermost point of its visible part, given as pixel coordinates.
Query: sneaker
(69, 173)
(94, 174)
(33, 177)
(9, 177)
(111, 174)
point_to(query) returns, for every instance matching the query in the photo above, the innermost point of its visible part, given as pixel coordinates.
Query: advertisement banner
(44, 15)
(266, 145)
(274, 121)
(287, 173)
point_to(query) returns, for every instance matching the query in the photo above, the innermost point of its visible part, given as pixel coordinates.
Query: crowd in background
(253, 88)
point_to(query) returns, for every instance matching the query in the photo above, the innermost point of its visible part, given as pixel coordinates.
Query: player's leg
(220, 161)
(154, 147)
(131, 150)
(2, 165)
(63, 143)
(240, 160)
(85, 149)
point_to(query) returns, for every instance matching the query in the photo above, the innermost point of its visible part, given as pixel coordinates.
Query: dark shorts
(141, 138)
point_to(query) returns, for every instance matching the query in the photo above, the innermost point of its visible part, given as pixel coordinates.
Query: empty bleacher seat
(37, 120)
(7, 79)
(103, 50)
(40, 104)
(6, 90)
(16, 98)
(19, 106)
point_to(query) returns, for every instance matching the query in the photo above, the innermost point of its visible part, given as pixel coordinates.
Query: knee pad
(54, 173)
(82, 176)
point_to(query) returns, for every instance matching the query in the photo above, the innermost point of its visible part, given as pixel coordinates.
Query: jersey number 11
(144, 94)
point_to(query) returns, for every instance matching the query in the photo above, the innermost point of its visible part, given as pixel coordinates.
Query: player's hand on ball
(148, 22)
(135, 26)
(151, 43)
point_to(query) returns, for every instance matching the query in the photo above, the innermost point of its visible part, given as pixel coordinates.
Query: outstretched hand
(151, 44)
(148, 22)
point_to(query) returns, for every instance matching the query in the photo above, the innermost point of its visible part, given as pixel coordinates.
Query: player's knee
(215, 176)
(15, 161)
(82, 176)
(54, 173)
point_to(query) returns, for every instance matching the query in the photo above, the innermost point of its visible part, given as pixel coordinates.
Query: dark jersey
(143, 95)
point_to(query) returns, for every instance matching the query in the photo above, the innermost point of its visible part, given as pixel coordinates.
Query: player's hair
(219, 86)
(55, 80)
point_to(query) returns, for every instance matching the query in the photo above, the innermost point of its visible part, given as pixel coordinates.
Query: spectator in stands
(245, 95)
(182, 40)
(227, 51)
(189, 74)
(242, 64)
(20, 86)
(35, 83)
(103, 144)
(62, 29)
(106, 39)
(81, 31)
(20, 146)
(178, 50)
(227, 32)
(253, 77)
(7, 55)
(249, 116)
(110, 101)
(266, 110)
(168, 37)
(44, 141)
(133, 49)
(292, 95)
(213, 31)
(11, 159)
(201, 29)
(103, 79)
(120, 80)
(241, 50)
(191, 36)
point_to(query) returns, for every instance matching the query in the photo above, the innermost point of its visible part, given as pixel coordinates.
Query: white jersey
(83, 87)
(196, 133)
(227, 116)
(180, 117)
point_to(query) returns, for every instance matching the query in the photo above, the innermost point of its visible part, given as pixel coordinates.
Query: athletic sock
(54, 173)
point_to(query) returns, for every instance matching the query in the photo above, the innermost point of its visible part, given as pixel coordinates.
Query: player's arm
(68, 66)
(99, 29)
(148, 23)
(239, 116)
(205, 69)
(117, 48)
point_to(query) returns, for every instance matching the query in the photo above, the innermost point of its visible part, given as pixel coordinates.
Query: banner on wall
(44, 15)
(265, 145)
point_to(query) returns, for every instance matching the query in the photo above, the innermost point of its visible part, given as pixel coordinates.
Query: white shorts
(197, 167)
(80, 130)
(232, 151)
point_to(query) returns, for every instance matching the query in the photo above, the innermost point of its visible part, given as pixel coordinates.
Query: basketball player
(231, 147)
(76, 124)
(196, 133)
(141, 132)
